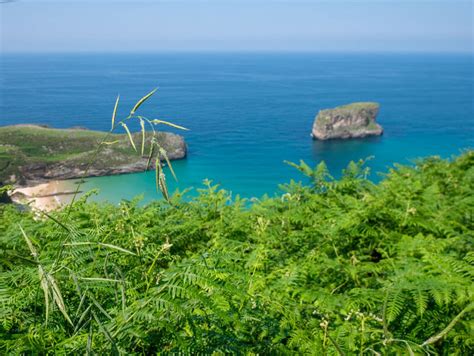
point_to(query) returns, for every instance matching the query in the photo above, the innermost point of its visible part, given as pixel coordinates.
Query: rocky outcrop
(31, 154)
(43, 171)
(348, 121)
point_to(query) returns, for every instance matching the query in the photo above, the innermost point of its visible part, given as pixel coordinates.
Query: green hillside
(30, 152)
(335, 267)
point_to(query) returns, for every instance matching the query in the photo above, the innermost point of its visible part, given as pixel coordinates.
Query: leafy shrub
(333, 267)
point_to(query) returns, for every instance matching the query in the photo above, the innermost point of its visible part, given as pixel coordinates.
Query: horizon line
(237, 51)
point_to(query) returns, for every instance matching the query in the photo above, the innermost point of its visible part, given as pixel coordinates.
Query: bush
(333, 267)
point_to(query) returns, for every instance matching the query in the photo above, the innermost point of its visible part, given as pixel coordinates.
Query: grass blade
(89, 340)
(106, 333)
(101, 309)
(114, 114)
(163, 152)
(150, 156)
(108, 143)
(55, 220)
(58, 298)
(160, 178)
(129, 135)
(33, 251)
(448, 328)
(81, 303)
(41, 272)
(141, 101)
(163, 187)
(117, 248)
(142, 125)
(99, 279)
(81, 319)
(87, 243)
(79, 243)
(157, 172)
(45, 288)
(124, 299)
(157, 122)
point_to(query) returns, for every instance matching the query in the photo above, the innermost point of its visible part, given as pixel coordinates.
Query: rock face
(111, 163)
(348, 121)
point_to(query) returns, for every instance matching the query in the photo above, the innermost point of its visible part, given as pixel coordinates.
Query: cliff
(348, 121)
(31, 154)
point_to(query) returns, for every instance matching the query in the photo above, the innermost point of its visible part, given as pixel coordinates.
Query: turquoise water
(249, 112)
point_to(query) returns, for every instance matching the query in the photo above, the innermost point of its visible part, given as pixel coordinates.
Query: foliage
(334, 267)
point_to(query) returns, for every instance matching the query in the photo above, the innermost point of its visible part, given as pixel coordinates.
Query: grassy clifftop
(35, 153)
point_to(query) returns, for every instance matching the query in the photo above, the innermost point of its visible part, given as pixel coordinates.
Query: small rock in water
(348, 121)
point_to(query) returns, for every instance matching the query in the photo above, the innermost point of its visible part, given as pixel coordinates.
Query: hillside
(30, 153)
(335, 267)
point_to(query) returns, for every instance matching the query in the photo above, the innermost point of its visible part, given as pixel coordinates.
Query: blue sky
(234, 25)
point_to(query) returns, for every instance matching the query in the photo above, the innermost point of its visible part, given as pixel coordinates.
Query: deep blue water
(250, 112)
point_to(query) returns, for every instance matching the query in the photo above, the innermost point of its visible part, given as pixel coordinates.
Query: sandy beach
(46, 196)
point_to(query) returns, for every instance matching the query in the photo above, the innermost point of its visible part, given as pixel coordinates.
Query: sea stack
(347, 121)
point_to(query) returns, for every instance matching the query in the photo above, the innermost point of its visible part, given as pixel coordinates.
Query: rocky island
(32, 154)
(348, 121)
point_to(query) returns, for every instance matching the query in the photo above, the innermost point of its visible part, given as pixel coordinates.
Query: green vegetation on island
(31, 153)
(331, 267)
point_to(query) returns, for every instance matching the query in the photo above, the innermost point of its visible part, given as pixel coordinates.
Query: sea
(249, 113)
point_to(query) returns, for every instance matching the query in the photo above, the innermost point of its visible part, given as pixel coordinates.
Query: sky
(236, 25)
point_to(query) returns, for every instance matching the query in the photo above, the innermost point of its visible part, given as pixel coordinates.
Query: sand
(46, 196)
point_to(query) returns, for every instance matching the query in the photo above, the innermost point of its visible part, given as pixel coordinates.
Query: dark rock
(4, 197)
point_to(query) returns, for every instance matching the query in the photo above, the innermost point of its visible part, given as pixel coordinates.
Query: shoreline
(46, 196)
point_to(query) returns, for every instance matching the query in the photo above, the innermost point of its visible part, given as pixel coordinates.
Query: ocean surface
(249, 112)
